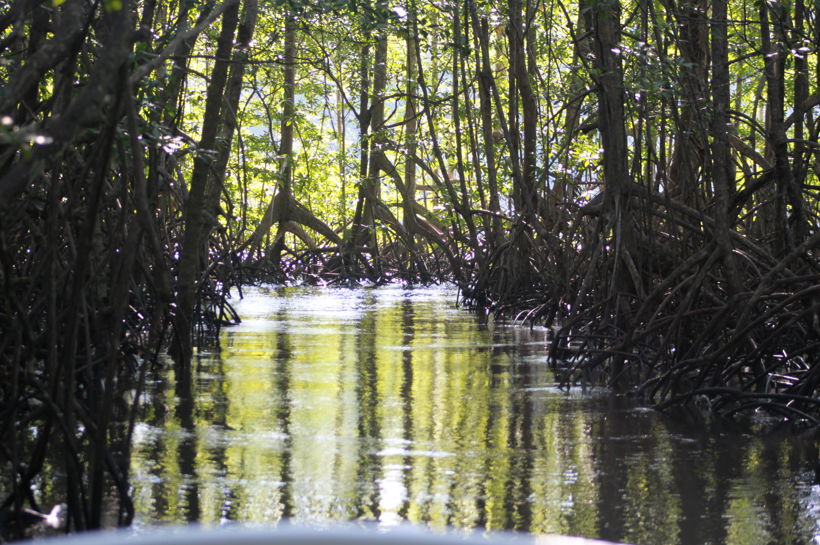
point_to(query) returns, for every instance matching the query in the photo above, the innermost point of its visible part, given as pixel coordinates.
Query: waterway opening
(391, 405)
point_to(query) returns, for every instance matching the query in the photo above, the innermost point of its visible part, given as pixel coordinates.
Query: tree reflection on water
(391, 405)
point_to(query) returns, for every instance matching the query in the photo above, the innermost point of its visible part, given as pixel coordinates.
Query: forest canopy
(641, 176)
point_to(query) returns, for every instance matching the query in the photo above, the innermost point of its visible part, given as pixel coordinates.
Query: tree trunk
(230, 107)
(411, 131)
(279, 209)
(481, 30)
(196, 233)
(624, 283)
(722, 171)
(801, 91)
(525, 70)
(786, 190)
(690, 147)
(372, 186)
(458, 44)
(283, 209)
(358, 231)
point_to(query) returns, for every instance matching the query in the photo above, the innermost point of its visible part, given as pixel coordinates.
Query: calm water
(390, 405)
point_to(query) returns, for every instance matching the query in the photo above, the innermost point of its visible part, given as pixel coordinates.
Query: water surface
(393, 405)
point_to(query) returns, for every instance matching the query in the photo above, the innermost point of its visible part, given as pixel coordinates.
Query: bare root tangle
(432, 257)
(60, 381)
(89, 228)
(686, 339)
(329, 266)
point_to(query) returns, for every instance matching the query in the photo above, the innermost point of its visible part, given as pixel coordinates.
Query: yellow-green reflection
(390, 405)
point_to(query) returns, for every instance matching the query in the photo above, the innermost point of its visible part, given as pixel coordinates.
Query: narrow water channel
(393, 405)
